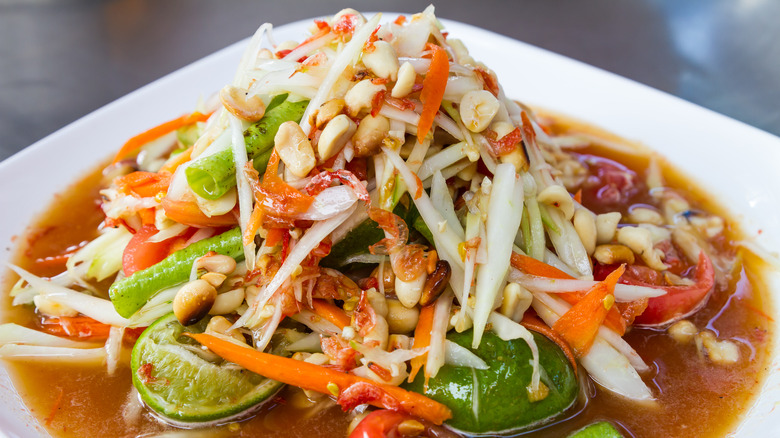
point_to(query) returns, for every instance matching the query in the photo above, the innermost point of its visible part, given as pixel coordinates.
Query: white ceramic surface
(735, 162)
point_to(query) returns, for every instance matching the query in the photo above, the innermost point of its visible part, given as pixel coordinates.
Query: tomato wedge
(379, 424)
(140, 253)
(679, 301)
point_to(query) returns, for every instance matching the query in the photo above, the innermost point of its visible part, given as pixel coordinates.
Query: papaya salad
(365, 226)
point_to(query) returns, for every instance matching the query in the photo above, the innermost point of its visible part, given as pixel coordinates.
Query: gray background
(61, 59)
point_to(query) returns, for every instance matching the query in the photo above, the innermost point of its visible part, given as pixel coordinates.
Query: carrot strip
(433, 89)
(56, 406)
(331, 313)
(188, 213)
(531, 266)
(158, 131)
(144, 184)
(321, 379)
(255, 220)
(531, 322)
(422, 339)
(580, 324)
(172, 164)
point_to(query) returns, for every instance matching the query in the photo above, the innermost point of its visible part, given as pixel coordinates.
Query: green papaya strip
(133, 292)
(213, 175)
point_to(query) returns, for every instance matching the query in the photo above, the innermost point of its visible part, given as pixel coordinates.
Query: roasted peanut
(405, 82)
(328, 111)
(294, 149)
(335, 135)
(193, 301)
(369, 135)
(611, 254)
(241, 105)
(436, 283)
(382, 60)
(401, 319)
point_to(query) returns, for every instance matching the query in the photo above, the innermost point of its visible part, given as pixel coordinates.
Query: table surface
(61, 59)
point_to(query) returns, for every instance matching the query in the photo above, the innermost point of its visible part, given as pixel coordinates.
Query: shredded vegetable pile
(368, 195)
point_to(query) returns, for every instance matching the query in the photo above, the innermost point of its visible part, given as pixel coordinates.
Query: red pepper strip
(679, 301)
(321, 379)
(158, 131)
(580, 324)
(432, 91)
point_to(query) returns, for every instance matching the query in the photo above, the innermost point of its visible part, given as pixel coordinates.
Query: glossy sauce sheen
(695, 397)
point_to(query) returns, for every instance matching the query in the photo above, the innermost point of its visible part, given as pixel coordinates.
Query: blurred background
(62, 59)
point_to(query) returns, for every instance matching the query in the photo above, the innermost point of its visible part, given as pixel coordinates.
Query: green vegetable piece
(212, 176)
(499, 393)
(367, 233)
(602, 429)
(187, 389)
(420, 225)
(133, 292)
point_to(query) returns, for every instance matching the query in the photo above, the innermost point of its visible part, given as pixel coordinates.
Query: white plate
(732, 160)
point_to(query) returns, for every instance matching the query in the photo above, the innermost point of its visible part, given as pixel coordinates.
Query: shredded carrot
(578, 196)
(177, 160)
(321, 379)
(274, 236)
(144, 184)
(188, 213)
(158, 131)
(433, 89)
(531, 266)
(56, 406)
(580, 324)
(254, 223)
(331, 313)
(531, 322)
(422, 339)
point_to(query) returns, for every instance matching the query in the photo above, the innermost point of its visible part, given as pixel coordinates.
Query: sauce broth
(695, 396)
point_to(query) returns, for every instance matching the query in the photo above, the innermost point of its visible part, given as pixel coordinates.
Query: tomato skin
(141, 254)
(379, 424)
(679, 301)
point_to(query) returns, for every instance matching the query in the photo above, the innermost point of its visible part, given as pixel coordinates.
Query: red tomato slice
(379, 424)
(141, 254)
(679, 301)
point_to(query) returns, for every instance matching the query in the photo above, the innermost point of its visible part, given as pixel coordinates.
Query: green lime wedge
(495, 400)
(187, 386)
(602, 429)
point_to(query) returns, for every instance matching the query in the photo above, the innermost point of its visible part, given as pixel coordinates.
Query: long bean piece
(133, 292)
(213, 175)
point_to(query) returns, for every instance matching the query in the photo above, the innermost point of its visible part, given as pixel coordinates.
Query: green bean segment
(213, 175)
(133, 292)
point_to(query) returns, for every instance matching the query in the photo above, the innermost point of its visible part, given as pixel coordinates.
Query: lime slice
(602, 429)
(186, 386)
(495, 400)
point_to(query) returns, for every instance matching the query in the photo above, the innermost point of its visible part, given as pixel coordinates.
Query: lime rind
(185, 389)
(502, 406)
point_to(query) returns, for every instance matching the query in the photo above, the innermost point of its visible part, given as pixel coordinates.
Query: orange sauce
(695, 397)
